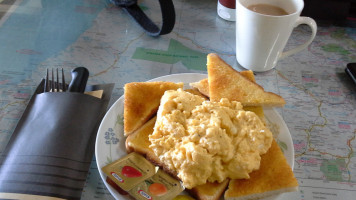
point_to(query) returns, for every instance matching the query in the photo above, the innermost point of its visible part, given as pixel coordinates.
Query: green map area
(176, 52)
(332, 169)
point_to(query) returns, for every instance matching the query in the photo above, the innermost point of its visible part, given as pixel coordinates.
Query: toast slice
(209, 191)
(274, 177)
(203, 85)
(226, 82)
(141, 102)
(138, 141)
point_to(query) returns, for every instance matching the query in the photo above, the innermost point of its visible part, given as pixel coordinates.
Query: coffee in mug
(263, 28)
(267, 9)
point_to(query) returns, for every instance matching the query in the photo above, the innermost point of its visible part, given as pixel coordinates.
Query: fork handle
(79, 80)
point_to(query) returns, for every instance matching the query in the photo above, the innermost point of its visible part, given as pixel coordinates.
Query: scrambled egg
(207, 141)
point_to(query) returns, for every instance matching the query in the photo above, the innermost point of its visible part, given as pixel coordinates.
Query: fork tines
(52, 85)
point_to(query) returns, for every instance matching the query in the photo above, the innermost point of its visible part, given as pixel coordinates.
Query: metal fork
(52, 85)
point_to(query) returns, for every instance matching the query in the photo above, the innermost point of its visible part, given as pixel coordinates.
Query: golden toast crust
(209, 191)
(141, 102)
(274, 174)
(226, 82)
(138, 141)
(203, 85)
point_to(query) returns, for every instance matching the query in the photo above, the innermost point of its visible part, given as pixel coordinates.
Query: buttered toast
(138, 141)
(209, 191)
(225, 82)
(274, 177)
(203, 85)
(141, 102)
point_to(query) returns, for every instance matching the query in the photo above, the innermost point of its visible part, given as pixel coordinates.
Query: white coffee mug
(261, 38)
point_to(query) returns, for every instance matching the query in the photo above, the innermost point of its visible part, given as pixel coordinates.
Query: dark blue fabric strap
(168, 16)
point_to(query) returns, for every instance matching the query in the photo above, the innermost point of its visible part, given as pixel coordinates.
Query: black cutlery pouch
(52, 146)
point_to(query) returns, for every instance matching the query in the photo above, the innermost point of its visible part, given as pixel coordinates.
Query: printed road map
(321, 101)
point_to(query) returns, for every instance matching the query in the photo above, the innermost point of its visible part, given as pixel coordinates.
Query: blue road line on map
(38, 30)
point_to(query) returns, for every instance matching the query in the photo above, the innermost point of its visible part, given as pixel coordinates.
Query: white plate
(110, 140)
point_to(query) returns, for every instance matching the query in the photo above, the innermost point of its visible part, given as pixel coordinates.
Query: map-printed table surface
(321, 98)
